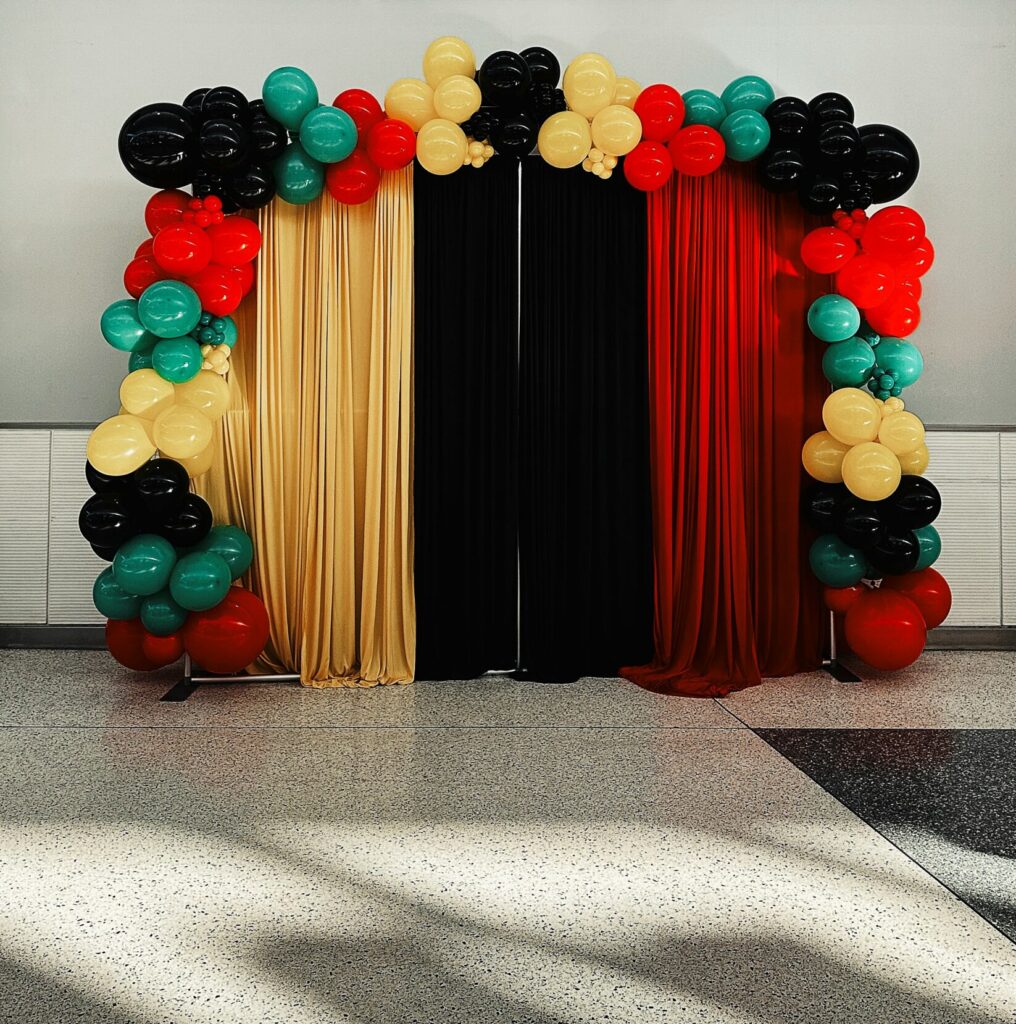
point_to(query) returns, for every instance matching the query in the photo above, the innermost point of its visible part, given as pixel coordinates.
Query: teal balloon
(746, 134)
(328, 134)
(749, 92)
(123, 329)
(703, 107)
(848, 364)
(144, 564)
(112, 600)
(290, 95)
(177, 359)
(140, 361)
(161, 615)
(232, 545)
(169, 309)
(299, 178)
(229, 331)
(833, 318)
(836, 564)
(200, 580)
(902, 359)
(930, 546)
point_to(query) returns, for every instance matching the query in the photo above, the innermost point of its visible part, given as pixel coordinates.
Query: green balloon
(232, 545)
(169, 309)
(140, 361)
(200, 581)
(836, 564)
(746, 133)
(299, 178)
(848, 364)
(902, 359)
(161, 615)
(833, 318)
(143, 564)
(328, 134)
(177, 359)
(230, 332)
(112, 600)
(931, 546)
(749, 92)
(122, 328)
(703, 107)
(290, 95)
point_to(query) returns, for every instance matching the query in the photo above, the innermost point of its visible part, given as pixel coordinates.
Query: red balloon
(648, 166)
(245, 275)
(234, 241)
(145, 248)
(839, 599)
(231, 635)
(928, 589)
(866, 280)
(219, 289)
(124, 638)
(391, 144)
(895, 318)
(353, 180)
(140, 273)
(919, 261)
(165, 208)
(163, 650)
(885, 629)
(912, 286)
(362, 107)
(182, 249)
(893, 233)
(826, 250)
(697, 150)
(661, 111)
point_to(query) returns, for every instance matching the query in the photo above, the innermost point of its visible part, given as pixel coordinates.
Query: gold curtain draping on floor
(314, 457)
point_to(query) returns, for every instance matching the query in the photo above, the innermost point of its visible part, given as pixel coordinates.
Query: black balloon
(157, 145)
(504, 79)
(855, 191)
(837, 145)
(268, 136)
(223, 102)
(224, 145)
(484, 124)
(161, 485)
(186, 524)
(543, 100)
(544, 67)
(860, 523)
(249, 189)
(101, 483)
(820, 505)
(515, 136)
(193, 101)
(209, 183)
(889, 161)
(915, 503)
(789, 122)
(831, 106)
(819, 193)
(107, 520)
(894, 553)
(107, 553)
(782, 170)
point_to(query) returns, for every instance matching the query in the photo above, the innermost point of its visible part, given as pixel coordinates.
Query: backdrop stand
(832, 665)
(183, 689)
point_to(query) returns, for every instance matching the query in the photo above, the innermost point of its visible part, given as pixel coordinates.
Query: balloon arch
(170, 587)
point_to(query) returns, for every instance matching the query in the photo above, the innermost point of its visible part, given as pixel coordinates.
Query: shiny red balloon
(928, 589)
(840, 599)
(918, 262)
(661, 111)
(140, 273)
(826, 250)
(893, 233)
(163, 650)
(165, 208)
(391, 144)
(220, 289)
(885, 629)
(182, 249)
(697, 150)
(353, 180)
(362, 107)
(895, 318)
(246, 276)
(648, 166)
(145, 248)
(866, 280)
(912, 286)
(124, 638)
(228, 637)
(234, 241)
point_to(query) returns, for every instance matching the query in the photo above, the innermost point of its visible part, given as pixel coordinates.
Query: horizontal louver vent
(1008, 452)
(24, 519)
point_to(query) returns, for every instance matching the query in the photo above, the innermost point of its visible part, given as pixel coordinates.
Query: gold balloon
(457, 98)
(410, 100)
(901, 432)
(207, 391)
(447, 56)
(626, 91)
(147, 423)
(892, 405)
(145, 393)
(871, 471)
(916, 462)
(181, 432)
(589, 83)
(822, 456)
(851, 416)
(200, 463)
(119, 446)
(441, 146)
(616, 130)
(564, 139)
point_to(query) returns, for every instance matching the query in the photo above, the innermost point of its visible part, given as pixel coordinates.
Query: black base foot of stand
(182, 690)
(836, 669)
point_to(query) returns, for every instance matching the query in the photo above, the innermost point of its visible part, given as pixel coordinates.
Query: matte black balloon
(223, 102)
(782, 170)
(544, 67)
(269, 138)
(894, 553)
(819, 193)
(504, 79)
(789, 122)
(187, 524)
(860, 523)
(107, 520)
(516, 135)
(889, 161)
(193, 101)
(100, 483)
(831, 106)
(915, 503)
(161, 485)
(249, 189)
(224, 145)
(820, 505)
(157, 145)
(837, 145)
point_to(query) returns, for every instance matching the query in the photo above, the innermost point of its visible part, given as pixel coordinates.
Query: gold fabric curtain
(314, 457)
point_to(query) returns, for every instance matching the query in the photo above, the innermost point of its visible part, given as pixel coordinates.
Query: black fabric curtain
(584, 492)
(466, 398)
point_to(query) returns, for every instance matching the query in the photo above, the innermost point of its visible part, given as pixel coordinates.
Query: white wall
(70, 72)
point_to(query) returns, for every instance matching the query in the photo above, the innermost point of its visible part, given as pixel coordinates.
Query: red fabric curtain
(735, 387)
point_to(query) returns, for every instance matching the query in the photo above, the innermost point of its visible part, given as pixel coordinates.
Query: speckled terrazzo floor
(463, 852)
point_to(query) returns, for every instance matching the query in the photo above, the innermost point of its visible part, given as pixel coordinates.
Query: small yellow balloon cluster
(215, 358)
(599, 164)
(477, 153)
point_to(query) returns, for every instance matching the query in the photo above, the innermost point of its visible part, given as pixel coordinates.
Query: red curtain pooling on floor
(735, 387)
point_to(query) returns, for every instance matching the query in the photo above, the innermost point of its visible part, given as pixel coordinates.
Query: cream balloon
(626, 91)
(148, 424)
(457, 98)
(589, 83)
(871, 471)
(892, 405)
(182, 432)
(145, 393)
(564, 139)
(916, 462)
(901, 433)
(822, 456)
(447, 56)
(616, 130)
(206, 391)
(441, 146)
(851, 416)
(119, 446)
(410, 100)
(201, 463)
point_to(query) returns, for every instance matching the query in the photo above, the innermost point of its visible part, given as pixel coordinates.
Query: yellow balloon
(892, 405)
(145, 393)
(457, 98)
(447, 56)
(200, 463)
(589, 83)
(901, 432)
(564, 139)
(822, 456)
(871, 471)
(410, 100)
(207, 391)
(119, 446)
(441, 146)
(616, 130)
(851, 416)
(148, 424)
(626, 91)
(916, 462)
(181, 432)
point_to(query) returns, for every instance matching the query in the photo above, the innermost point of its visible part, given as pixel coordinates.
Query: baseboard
(71, 638)
(972, 638)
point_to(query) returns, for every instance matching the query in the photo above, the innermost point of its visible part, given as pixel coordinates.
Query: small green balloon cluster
(738, 115)
(215, 330)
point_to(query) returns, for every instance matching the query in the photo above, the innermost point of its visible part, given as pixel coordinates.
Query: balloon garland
(169, 587)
